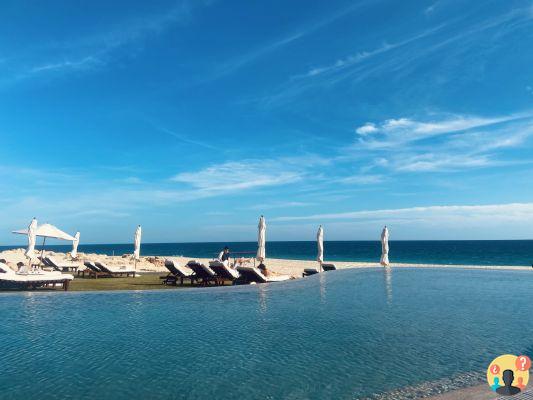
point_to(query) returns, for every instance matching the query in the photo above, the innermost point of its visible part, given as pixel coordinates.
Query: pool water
(343, 334)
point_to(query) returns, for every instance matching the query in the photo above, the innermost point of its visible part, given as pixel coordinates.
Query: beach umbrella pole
(42, 252)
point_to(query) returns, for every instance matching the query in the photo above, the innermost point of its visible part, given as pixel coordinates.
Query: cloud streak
(495, 212)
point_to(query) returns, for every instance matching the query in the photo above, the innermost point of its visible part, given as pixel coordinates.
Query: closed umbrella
(261, 240)
(320, 245)
(32, 238)
(384, 247)
(137, 251)
(75, 243)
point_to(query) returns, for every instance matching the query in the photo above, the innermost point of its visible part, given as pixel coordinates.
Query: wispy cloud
(458, 142)
(400, 57)
(238, 176)
(94, 51)
(86, 62)
(184, 138)
(283, 204)
(393, 132)
(496, 212)
(245, 59)
(362, 179)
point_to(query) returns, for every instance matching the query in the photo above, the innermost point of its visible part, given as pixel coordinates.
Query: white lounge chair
(224, 271)
(11, 279)
(203, 273)
(176, 272)
(61, 265)
(253, 274)
(115, 271)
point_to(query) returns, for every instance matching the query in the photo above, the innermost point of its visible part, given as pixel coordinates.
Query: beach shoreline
(292, 267)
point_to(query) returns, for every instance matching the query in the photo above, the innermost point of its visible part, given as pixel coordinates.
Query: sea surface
(452, 252)
(338, 335)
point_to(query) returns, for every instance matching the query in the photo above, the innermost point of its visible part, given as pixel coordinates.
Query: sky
(193, 118)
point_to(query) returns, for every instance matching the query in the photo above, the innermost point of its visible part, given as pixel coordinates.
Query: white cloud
(440, 162)
(286, 204)
(366, 129)
(404, 130)
(362, 179)
(445, 143)
(235, 176)
(512, 212)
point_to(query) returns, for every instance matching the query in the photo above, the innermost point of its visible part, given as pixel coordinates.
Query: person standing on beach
(224, 255)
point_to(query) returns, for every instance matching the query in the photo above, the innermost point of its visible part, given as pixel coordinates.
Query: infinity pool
(343, 335)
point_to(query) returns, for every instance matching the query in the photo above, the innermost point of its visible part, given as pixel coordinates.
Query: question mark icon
(495, 369)
(523, 363)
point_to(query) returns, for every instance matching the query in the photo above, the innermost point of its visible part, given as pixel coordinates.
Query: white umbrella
(384, 247)
(75, 243)
(47, 231)
(137, 251)
(30, 252)
(44, 231)
(261, 240)
(320, 245)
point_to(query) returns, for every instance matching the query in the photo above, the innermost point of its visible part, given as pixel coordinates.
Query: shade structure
(261, 240)
(75, 243)
(384, 247)
(30, 252)
(137, 242)
(320, 245)
(47, 231)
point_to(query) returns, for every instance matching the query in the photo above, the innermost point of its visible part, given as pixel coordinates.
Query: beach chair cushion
(175, 268)
(223, 270)
(329, 267)
(255, 275)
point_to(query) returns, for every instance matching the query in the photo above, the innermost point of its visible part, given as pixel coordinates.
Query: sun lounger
(10, 279)
(93, 271)
(253, 274)
(313, 271)
(309, 272)
(329, 267)
(177, 272)
(224, 272)
(60, 266)
(204, 275)
(114, 271)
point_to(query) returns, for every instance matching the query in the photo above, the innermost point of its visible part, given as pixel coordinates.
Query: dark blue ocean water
(337, 335)
(458, 252)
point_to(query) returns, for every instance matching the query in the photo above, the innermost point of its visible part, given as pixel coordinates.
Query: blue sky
(192, 118)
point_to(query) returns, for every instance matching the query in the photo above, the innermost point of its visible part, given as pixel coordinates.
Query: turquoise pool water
(343, 335)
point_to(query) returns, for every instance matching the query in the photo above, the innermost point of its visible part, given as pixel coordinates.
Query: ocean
(445, 252)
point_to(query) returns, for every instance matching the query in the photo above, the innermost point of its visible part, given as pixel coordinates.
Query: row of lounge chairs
(102, 270)
(216, 273)
(10, 279)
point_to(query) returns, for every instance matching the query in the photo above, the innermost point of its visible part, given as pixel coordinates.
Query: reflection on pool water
(342, 334)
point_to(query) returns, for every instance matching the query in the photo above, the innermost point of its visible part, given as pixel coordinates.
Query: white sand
(282, 266)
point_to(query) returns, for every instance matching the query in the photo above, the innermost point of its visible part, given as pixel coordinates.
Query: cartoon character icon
(496, 383)
(508, 374)
(508, 389)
